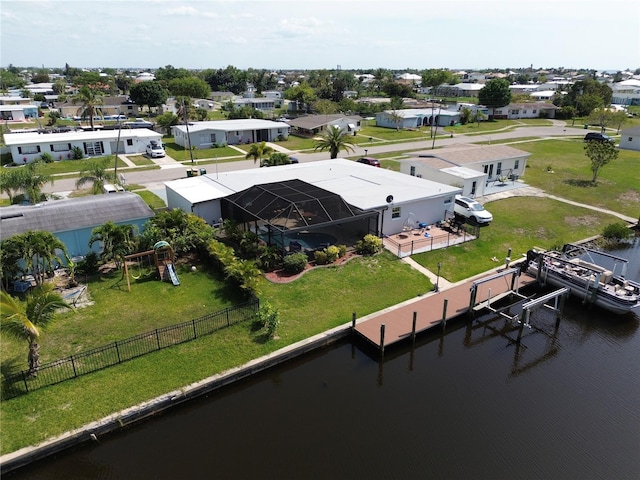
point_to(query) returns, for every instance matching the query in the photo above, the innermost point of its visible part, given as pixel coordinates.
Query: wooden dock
(429, 310)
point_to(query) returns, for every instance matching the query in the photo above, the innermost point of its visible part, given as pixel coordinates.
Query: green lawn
(617, 189)
(519, 223)
(140, 160)
(151, 199)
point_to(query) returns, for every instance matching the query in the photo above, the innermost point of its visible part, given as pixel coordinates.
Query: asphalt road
(154, 179)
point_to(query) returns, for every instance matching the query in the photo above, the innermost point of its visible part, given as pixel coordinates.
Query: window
(448, 200)
(395, 212)
(413, 171)
(60, 147)
(499, 168)
(29, 149)
(516, 164)
(130, 142)
(212, 138)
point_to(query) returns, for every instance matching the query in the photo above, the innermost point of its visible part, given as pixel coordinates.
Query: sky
(327, 34)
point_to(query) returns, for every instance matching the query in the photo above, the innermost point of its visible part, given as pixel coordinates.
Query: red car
(370, 161)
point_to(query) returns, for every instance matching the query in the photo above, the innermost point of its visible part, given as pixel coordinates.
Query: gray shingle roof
(73, 214)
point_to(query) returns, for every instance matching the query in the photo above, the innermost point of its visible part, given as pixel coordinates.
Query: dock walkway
(429, 309)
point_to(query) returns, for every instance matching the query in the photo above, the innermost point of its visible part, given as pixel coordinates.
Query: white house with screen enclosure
(378, 200)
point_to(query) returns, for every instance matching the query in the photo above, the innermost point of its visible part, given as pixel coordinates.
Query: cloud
(184, 11)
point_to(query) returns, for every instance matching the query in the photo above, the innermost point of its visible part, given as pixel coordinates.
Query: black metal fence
(21, 383)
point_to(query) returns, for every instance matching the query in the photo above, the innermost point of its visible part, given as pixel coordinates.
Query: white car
(471, 210)
(155, 150)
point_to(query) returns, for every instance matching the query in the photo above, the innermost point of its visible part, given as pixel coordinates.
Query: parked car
(471, 210)
(598, 137)
(369, 161)
(155, 149)
(294, 160)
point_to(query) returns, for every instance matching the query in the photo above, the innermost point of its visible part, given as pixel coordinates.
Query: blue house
(71, 220)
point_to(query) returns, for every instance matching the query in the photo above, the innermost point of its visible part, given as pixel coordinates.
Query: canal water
(469, 403)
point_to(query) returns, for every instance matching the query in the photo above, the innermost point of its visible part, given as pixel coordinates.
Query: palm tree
(258, 150)
(91, 100)
(12, 180)
(33, 180)
(117, 241)
(38, 249)
(334, 140)
(27, 322)
(96, 173)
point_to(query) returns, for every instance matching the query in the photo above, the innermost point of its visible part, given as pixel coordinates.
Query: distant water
(469, 404)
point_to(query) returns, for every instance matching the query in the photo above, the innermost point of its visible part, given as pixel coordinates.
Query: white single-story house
(390, 197)
(459, 90)
(417, 117)
(626, 92)
(525, 110)
(71, 220)
(314, 124)
(470, 167)
(543, 95)
(222, 97)
(18, 113)
(630, 139)
(229, 132)
(263, 104)
(26, 147)
(14, 100)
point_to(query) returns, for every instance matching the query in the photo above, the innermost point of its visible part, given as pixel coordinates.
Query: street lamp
(365, 152)
(436, 288)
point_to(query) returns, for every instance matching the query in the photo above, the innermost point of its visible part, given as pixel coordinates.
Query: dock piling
(382, 328)
(353, 321)
(413, 326)
(444, 312)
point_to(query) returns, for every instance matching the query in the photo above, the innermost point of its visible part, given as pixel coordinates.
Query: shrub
(369, 245)
(46, 157)
(332, 253)
(617, 231)
(268, 317)
(342, 250)
(77, 153)
(294, 263)
(89, 265)
(321, 257)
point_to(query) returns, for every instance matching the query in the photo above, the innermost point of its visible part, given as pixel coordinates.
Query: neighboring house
(543, 95)
(310, 125)
(205, 104)
(71, 220)
(525, 110)
(13, 100)
(26, 147)
(264, 105)
(470, 167)
(229, 132)
(115, 105)
(18, 113)
(417, 117)
(387, 197)
(409, 79)
(474, 108)
(144, 77)
(626, 92)
(630, 139)
(459, 90)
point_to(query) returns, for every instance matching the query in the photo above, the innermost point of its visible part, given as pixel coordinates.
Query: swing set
(159, 259)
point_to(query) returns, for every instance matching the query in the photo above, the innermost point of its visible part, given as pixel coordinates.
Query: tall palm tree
(26, 322)
(91, 100)
(259, 150)
(117, 241)
(95, 173)
(334, 140)
(12, 180)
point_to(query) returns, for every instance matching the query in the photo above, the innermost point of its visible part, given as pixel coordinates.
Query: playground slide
(173, 274)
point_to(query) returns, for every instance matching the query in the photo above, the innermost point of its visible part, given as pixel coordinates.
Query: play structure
(159, 259)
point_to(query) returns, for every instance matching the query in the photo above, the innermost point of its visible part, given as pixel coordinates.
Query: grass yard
(151, 199)
(323, 298)
(617, 189)
(141, 160)
(519, 223)
(179, 153)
